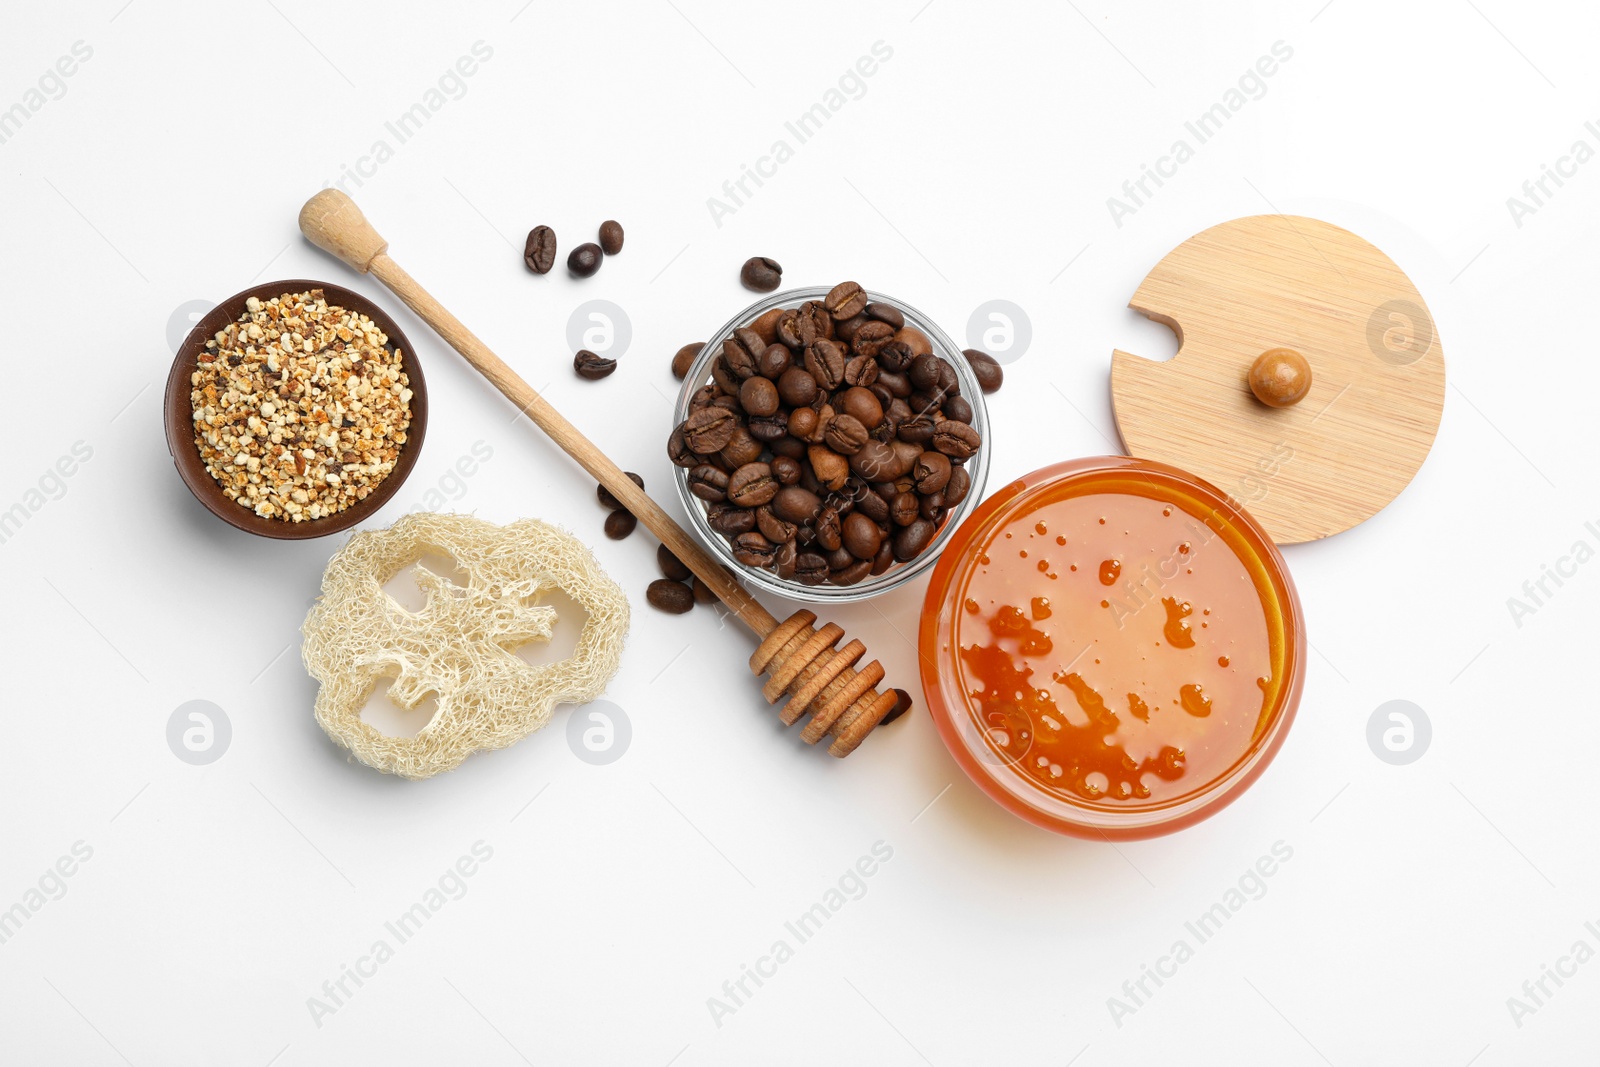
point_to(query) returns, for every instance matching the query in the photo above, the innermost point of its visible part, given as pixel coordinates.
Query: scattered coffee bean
(985, 368)
(540, 251)
(685, 359)
(620, 524)
(584, 260)
(829, 442)
(611, 237)
(670, 596)
(611, 503)
(902, 704)
(592, 367)
(761, 274)
(702, 592)
(671, 565)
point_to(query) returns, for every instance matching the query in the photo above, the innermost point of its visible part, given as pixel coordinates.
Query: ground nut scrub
(1110, 647)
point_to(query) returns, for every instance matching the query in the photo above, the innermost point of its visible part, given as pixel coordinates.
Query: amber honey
(1111, 646)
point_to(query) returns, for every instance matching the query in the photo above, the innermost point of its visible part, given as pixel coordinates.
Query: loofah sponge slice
(460, 644)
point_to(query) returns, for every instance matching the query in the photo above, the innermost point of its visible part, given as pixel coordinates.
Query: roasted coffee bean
(927, 403)
(766, 325)
(949, 380)
(671, 565)
(591, 367)
(741, 352)
(853, 573)
(931, 472)
(881, 391)
(824, 416)
(805, 536)
(730, 404)
(870, 338)
(669, 596)
(611, 237)
(885, 557)
(730, 521)
(810, 568)
(760, 274)
(861, 405)
(845, 300)
(875, 461)
(886, 313)
(727, 383)
(839, 559)
(931, 507)
(861, 535)
(754, 550)
(774, 360)
(910, 540)
(803, 422)
(752, 485)
(796, 388)
(915, 340)
(896, 356)
(783, 562)
(845, 330)
(956, 489)
(840, 501)
(797, 505)
(825, 363)
(829, 533)
(620, 524)
(611, 503)
(708, 483)
(679, 452)
(710, 429)
(769, 428)
(924, 373)
(956, 409)
(831, 469)
(898, 384)
(789, 445)
(702, 592)
(773, 528)
(898, 410)
(985, 368)
(744, 448)
(902, 704)
(539, 253)
(703, 396)
(860, 370)
(905, 457)
(759, 397)
(903, 509)
(873, 506)
(584, 260)
(785, 469)
(845, 435)
(956, 439)
(685, 359)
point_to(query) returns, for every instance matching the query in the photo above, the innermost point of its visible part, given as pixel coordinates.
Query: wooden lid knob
(1280, 377)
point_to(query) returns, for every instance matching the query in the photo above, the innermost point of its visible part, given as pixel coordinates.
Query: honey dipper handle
(333, 222)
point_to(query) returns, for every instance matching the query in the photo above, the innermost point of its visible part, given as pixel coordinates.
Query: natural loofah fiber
(460, 645)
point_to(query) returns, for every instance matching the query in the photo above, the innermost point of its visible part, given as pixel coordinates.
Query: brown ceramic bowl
(179, 415)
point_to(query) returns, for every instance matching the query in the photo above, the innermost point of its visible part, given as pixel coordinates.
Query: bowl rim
(999, 781)
(178, 415)
(977, 467)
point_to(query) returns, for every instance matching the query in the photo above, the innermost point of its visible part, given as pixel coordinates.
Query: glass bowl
(1006, 758)
(977, 467)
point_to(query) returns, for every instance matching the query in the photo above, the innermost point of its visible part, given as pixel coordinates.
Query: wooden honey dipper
(800, 658)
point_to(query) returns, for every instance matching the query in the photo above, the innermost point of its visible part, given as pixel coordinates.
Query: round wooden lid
(1244, 287)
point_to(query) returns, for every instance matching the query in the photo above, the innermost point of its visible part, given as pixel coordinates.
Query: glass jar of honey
(1111, 648)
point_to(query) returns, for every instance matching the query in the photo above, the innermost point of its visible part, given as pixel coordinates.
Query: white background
(977, 165)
